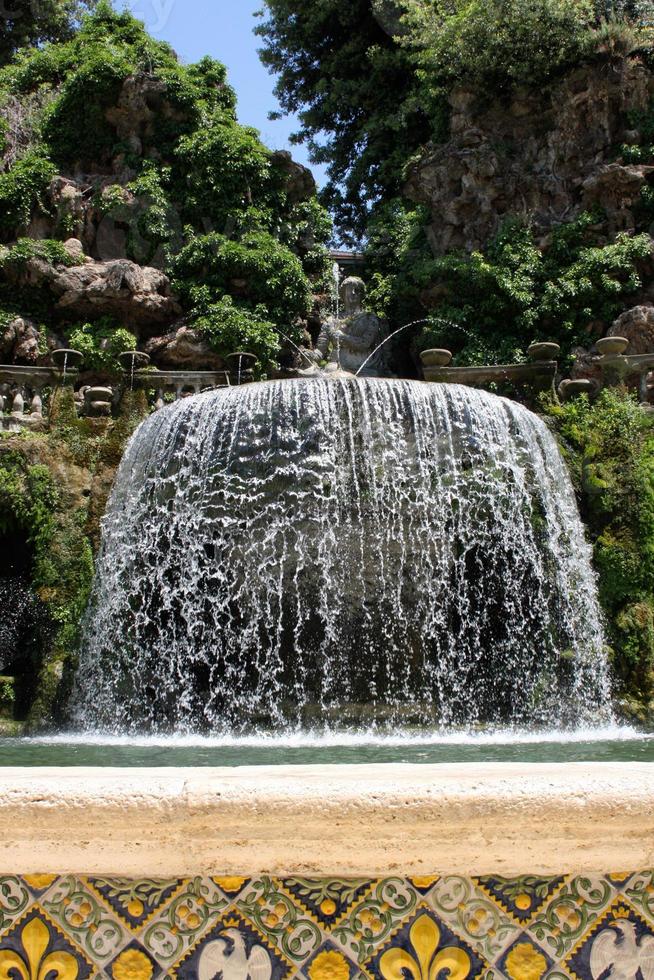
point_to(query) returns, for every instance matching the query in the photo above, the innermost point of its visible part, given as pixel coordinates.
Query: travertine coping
(328, 820)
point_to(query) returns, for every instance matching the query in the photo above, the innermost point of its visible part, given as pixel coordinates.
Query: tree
(31, 22)
(355, 90)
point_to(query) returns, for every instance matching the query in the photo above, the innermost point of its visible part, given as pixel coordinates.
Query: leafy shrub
(23, 189)
(236, 179)
(38, 248)
(229, 327)
(199, 175)
(497, 45)
(157, 230)
(257, 268)
(610, 449)
(101, 343)
(488, 306)
(27, 498)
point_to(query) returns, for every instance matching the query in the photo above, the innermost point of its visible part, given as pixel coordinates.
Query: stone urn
(133, 360)
(436, 357)
(241, 360)
(241, 365)
(67, 360)
(97, 402)
(612, 346)
(543, 351)
(570, 388)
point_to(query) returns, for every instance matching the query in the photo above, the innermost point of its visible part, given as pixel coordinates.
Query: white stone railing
(177, 383)
(21, 394)
(617, 368)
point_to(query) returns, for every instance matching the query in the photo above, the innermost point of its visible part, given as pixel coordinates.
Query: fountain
(342, 553)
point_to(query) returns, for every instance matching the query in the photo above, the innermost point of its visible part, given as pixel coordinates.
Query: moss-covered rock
(609, 446)
(53, 490)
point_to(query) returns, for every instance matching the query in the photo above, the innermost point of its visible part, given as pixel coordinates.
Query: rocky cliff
(133, 199)
(545, 156)
(578, 147)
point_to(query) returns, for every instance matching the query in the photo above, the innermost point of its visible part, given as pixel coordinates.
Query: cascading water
(339, 553)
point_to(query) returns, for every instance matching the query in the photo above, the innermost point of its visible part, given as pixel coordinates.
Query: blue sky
(224, 30)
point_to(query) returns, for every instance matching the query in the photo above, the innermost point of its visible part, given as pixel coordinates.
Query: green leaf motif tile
(74, 927)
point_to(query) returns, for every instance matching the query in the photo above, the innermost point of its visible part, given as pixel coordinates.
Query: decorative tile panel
(574, 927)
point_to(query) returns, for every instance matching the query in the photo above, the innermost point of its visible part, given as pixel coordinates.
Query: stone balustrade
(177, 383)
(21, 394)
(618, 368)
(539, 376)
(22, 387)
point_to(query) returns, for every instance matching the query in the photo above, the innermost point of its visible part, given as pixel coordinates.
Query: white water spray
(341, 553)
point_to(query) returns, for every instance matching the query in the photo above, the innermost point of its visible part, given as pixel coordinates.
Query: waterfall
(342, 553)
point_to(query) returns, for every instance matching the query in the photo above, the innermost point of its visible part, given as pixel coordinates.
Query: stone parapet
(329, 820)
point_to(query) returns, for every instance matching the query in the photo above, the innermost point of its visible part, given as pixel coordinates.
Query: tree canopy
(354, 88)
(32, 22)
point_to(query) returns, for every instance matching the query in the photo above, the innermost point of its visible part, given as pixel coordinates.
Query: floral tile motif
(92, 926)
(327, 900)
(135, 902)
(571, 913)
(134, 963)
(330, 963)
(193, 910)
(425, 948)
(232, 948)
(579, 927)
(466, 909)
(14, 899)
(280, 918)
(620, 945)
(373, 920)
(639, 890)
(231, 886)
(522, 898)
(525, 960)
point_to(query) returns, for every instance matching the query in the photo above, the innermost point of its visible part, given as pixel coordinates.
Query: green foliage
(359, 102)
(194, 189)
(82, 105)
(370, 79)
(101, 343)
(610, 450)
(42, 248)
(228, 327)
(489, 306)
(157, 228)
(305, 230)
(257, 268)
(497, 44)
(236, 175)
(27, 498)
(22, 190)
(41, 499)
(7, 692)
(33, 23)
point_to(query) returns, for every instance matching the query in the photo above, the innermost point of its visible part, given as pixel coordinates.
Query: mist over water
(342, 554)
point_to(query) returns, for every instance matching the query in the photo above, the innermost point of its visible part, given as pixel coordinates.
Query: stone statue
(347, 342)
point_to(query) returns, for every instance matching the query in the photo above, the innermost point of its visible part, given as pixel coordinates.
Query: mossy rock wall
(55, 487)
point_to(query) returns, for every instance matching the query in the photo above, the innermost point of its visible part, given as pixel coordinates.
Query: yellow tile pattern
(574, 927)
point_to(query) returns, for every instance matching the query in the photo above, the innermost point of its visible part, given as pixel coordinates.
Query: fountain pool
(611, 744)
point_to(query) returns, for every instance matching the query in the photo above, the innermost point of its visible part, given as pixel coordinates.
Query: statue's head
(353, 294)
